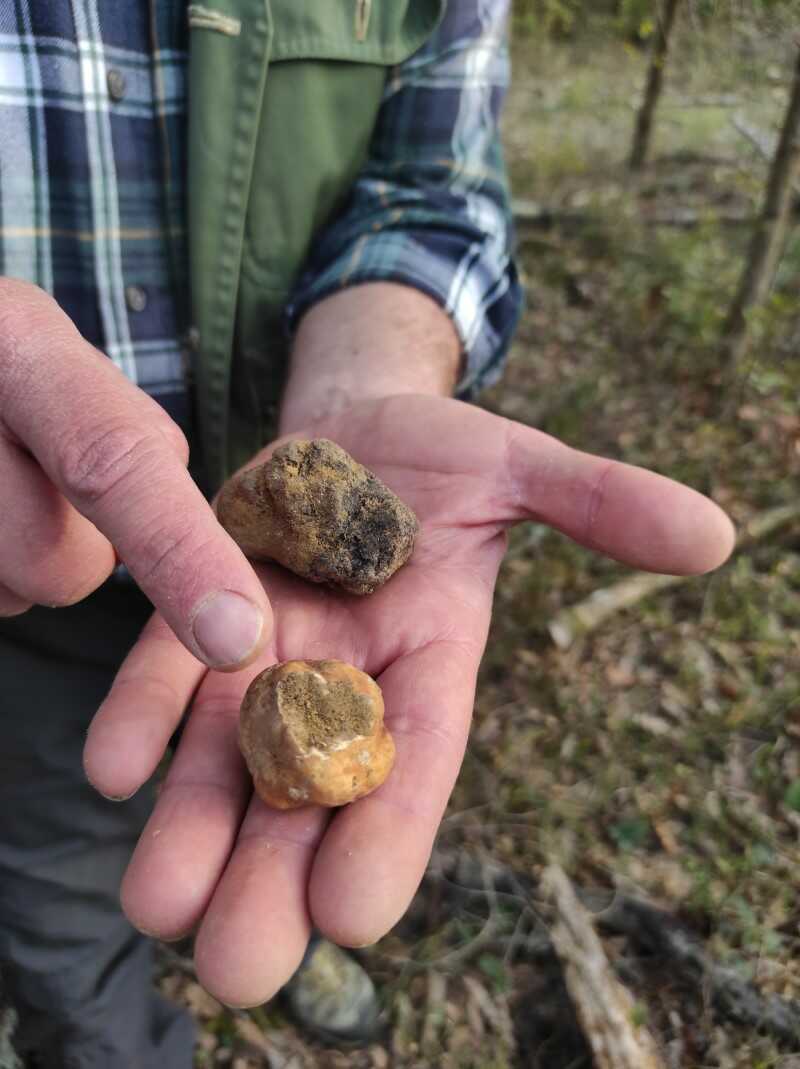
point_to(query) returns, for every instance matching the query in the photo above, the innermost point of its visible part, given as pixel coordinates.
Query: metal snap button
(115, 80)
(135, 298)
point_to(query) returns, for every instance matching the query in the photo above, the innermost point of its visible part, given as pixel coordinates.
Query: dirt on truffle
(320, 513)
(321, 714)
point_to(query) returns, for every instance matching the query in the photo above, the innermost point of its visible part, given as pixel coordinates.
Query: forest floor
(658, 755)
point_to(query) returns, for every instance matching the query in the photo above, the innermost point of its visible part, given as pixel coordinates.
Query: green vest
(283, 96)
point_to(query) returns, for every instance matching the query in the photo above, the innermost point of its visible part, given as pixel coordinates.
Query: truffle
(314, 509)
(312, 732)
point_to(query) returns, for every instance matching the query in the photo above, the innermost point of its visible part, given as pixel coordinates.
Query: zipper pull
(363, 11)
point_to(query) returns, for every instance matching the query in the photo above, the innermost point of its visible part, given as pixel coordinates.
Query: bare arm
(367, 342)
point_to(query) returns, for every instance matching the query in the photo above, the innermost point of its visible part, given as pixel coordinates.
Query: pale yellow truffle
(312, 733)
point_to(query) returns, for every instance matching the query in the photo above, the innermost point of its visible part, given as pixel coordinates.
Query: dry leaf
(201, 1004)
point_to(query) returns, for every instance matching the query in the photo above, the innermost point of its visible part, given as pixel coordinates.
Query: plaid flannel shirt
(92, 181)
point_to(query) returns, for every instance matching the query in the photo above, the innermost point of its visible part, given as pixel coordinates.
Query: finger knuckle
(152, 692)
(510, 484)
(58, 562)
(212, 711)
(92, 466)
(28, 319)
(176, 439)
(12, 605)
(20, 302)
(165, 550)
(63, 592)
(596, 499)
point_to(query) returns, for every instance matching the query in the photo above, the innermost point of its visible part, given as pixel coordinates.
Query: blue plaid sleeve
(430, 208)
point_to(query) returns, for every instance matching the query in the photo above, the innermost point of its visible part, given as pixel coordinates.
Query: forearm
(368, 341)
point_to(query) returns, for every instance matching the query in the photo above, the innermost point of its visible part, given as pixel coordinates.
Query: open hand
(252, 880)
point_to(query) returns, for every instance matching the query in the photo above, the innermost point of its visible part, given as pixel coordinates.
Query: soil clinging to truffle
(320, 513)
(320, 714)
(312, 733)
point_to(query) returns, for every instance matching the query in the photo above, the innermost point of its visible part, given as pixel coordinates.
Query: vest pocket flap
(358, 31)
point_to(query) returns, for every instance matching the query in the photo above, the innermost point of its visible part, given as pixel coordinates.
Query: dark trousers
(72, 967)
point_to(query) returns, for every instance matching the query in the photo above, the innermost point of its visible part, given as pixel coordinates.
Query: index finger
(121, 461)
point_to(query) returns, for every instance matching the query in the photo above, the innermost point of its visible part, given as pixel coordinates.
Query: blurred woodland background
(649, 742)
(646, 742)
(644, 738)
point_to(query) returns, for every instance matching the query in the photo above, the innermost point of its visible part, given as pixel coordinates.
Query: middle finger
(256, 928)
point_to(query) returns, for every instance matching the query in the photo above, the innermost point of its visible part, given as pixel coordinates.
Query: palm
(254, 879)
(441, 598)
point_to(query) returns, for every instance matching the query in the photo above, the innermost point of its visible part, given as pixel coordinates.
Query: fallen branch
(764, 141)
(604, 1007)
(258, 1040)
(594, 610)
(435, 1014)
(655, 932)
(655, 935)
(533, 214)
(8, 1023)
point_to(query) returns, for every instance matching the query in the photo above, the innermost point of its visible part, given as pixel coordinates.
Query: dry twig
(605, 1008)
(657, 933)
(652, 933)
(594, 610)
(8, 1056)
(530, 213)
(435, 1013)
(763, 141)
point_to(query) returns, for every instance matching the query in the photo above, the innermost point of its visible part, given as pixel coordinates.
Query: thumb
(635, 516)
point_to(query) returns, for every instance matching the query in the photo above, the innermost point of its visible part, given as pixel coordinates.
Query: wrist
(366, 342)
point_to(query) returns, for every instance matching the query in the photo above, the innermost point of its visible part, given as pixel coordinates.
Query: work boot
(332, 997)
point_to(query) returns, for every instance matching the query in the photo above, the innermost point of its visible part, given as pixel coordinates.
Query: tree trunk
(655, 77)
(771, 230)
